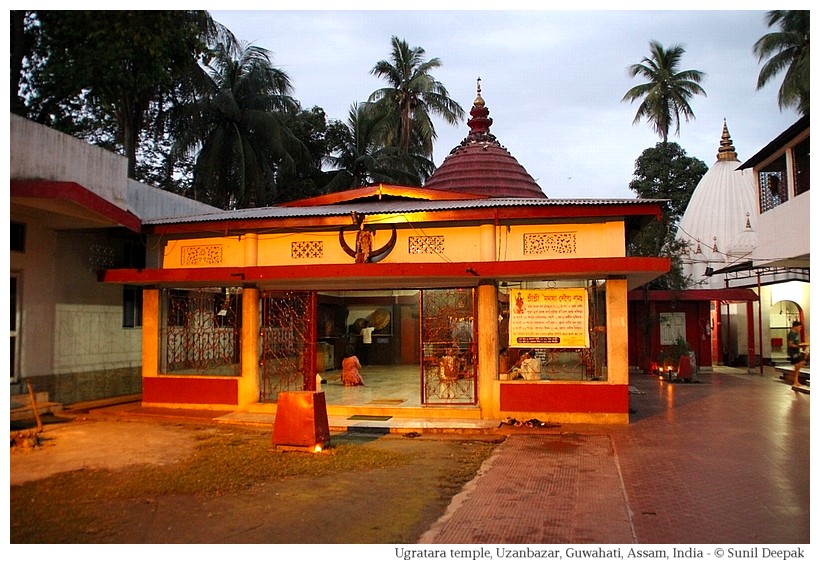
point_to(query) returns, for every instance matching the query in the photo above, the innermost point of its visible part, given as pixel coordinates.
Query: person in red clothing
(350, 369)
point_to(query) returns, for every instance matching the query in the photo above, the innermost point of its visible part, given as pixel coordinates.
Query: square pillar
(617, 339)
(488, 349)
(248, 390)
(150, 332)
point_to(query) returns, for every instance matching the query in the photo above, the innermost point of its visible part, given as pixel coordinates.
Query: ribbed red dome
(481, 166)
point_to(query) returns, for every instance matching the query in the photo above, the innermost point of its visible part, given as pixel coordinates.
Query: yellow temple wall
(413, 245)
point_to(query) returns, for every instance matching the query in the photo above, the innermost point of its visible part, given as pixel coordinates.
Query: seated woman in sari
(350, 369)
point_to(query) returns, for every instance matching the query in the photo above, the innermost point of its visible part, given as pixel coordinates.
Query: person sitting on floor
(350, 369)
(528, 367)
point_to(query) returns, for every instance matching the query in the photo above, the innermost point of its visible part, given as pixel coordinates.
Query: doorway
(781, 316)
(421, 351)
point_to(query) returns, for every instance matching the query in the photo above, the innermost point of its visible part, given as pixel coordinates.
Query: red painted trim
(597, 267)
(565, 398)
(717, 295)
(73, 192)
(191, 390)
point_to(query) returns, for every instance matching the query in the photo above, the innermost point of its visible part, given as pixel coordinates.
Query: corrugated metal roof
(391, 207)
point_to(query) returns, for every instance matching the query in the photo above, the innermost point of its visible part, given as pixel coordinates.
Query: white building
(75, 212)
(747, 226)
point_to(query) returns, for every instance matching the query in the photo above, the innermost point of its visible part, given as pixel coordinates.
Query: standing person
(794, 349)
(367, 341)
(350, 368)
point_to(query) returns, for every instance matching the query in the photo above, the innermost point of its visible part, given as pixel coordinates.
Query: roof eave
(639, 211)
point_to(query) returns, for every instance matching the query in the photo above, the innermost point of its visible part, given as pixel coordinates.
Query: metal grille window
(558, 362)
(286, 337)
(774, 188)
(200, 332)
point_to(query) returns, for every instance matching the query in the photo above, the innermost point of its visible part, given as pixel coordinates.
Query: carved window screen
(201, 255)
(550, 243)
(426, 245)
(307, 249)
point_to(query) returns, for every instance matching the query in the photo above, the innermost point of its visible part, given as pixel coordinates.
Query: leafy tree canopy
(665, 172)
(787, 51)
(96, 74)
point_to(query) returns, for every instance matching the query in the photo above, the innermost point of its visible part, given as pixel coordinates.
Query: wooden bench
(787, 370)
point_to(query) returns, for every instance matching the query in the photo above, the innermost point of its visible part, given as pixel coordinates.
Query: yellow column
(487, 319)
(249, 348)
(251, 247)
(487, 241)
(150, 332)
(488, 349)
(617, 342)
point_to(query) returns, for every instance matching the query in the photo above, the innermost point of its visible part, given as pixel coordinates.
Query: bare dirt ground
(90, 444)
(53, 497)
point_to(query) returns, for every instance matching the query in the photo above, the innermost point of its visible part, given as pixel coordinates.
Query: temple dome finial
(726, 152)
(480, 120)
(479, 101)
(481, 165)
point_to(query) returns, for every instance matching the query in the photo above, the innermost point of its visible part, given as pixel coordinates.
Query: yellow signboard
(549, 318)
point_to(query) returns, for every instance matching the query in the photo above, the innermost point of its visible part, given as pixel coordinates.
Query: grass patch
(407, 488)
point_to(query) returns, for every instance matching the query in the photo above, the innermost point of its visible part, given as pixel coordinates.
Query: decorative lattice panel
(426, 245)
(201, 255)
(100, 257)
(307, 249)
(549, 243)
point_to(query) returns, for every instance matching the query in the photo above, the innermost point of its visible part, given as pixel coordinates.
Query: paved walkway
(723, 461)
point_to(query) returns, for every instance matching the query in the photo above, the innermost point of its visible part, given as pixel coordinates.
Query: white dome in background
(716, 218)
(743, 245)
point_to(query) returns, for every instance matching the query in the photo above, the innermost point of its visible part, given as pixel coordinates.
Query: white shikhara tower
(719, 221)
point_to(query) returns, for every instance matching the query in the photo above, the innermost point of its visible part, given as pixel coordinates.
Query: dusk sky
(552, 80)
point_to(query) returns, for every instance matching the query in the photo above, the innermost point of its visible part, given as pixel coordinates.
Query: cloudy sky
(552, 80)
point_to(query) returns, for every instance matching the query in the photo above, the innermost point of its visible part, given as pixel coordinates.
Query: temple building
(438, 291)
(747, 229)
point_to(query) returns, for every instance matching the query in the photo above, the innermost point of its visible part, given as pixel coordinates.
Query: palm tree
(787, 49)
(412, 96)
(666, 96)
(360, 158)
(237, 130)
